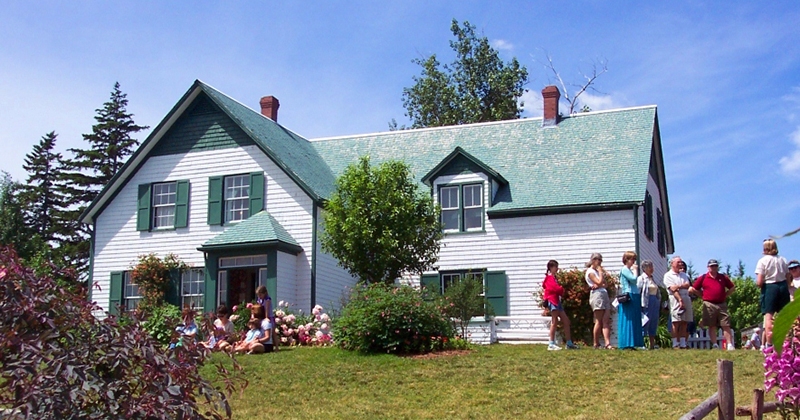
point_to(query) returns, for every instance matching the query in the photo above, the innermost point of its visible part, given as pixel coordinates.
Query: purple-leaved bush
(59, 361)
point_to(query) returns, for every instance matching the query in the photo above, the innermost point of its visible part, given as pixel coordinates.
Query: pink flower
(235, 308)
(249, 305)
(324, 318)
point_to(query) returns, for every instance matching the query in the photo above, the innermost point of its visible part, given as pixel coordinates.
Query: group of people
(258, 339)
(639, 302)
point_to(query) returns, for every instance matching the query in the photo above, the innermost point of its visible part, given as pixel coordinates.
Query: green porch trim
(543, 211)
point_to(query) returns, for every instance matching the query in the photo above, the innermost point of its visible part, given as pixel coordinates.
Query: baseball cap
(794, 264)
(712, 262)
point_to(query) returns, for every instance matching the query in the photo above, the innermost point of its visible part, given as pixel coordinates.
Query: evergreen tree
(14, 231)
(477, 87)
(89, 170)
(40, 192)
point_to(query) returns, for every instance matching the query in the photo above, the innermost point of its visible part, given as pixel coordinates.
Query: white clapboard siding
(118, 243)
(648, 249)
(333, 282)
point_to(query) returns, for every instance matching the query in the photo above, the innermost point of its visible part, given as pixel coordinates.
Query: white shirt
(672, 278)
(773, 268)
(591, 283)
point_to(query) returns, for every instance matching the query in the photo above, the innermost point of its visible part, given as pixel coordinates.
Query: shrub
(153, 275)
(389, 319)
(295, 328)
(575, 301)
(744, 304)
(240, 314)
(463, 300)
(160, 322)
(59, 361)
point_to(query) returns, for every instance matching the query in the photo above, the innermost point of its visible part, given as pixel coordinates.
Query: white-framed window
(164, 195)
(462, 207)
(450, 278)
(237, 197)
(243, 261)
(130, 292)
(192, 287)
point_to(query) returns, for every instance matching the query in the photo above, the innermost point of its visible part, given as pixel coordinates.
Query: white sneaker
(553, 347)
(731, 347)
(715, 347)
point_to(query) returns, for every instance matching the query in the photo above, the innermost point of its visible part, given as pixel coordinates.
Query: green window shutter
(256, 192)
(173, 294)
(431, 282)
(115, 292)
(182, 205)
(143, 208)
(210, 291)
(648, 216)
(215, 200)
(496, 294)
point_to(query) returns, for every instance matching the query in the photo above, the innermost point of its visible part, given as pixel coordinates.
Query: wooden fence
(723, 401)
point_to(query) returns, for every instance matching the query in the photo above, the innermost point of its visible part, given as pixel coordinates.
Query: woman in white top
(599, 301)
(772, 276)
(651, 300)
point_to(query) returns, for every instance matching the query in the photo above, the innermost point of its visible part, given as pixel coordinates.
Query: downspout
(314, 218)
(90, 282)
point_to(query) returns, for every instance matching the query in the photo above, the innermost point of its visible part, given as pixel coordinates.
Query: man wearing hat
(715, 287)
(794, 270)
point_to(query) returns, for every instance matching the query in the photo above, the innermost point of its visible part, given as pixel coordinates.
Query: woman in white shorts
(599, 301)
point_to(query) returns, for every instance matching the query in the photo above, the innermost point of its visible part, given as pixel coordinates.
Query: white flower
(280, 303)
(324, 318)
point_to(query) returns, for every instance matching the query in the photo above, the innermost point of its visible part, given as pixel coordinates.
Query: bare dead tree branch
(599, 67)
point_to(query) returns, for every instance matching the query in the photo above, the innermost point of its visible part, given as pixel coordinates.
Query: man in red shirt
(715, 288)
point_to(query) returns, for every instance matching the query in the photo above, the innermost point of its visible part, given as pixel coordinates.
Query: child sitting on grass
(253, 336)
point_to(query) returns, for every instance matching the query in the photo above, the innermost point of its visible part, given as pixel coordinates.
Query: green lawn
(498, 381)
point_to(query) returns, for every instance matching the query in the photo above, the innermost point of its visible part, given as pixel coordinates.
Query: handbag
(624, 297)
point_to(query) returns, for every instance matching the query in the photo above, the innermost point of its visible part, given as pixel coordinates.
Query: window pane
(192, 289)
(237, 193)
(448, 197)
(450, 219)
(473, 218)
(449, 279)
(473, 196)
(164, 196)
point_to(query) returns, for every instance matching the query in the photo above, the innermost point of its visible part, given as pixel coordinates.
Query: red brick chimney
(269, 107)
(551, 96)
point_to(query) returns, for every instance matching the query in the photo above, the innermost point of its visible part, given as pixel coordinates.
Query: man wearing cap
(677, 283)
(715, 287)
(794, 270)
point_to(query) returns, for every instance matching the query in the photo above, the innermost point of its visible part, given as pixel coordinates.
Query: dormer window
(462, 207)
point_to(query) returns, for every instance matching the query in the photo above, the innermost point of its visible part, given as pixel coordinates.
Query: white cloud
(600, 102)
(533, 103)
(502, 44)
(790, 165)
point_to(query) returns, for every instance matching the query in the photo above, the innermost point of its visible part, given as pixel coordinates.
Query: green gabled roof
(455, 155)
(294, 154)
(259, 229)
(594, 159)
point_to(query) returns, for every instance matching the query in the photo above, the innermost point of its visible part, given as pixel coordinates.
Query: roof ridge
(488, 123)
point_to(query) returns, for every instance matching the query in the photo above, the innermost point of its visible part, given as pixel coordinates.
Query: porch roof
(257, 230)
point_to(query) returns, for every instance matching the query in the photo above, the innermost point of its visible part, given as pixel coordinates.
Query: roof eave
(571, 208)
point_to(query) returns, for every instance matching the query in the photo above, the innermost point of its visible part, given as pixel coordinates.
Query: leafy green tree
(89, 170)
(378, 223)
(476, 87)
(40, 192)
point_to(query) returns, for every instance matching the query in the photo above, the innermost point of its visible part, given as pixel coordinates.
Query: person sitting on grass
(263, 344)
(252, 337)
(187, 330)
(552, 297)
(224, 323)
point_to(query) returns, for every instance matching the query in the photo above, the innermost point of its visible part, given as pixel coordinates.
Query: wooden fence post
(757, 411)
(727, 406)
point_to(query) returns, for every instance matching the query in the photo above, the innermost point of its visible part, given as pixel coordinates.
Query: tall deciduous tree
(42, 196)
(89, 170)
(476, 87)
(378, 224)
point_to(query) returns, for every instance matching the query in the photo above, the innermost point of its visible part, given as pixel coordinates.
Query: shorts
(774, 296)
(716, 314)
(687, 315)
(554, 307)
(599, 300)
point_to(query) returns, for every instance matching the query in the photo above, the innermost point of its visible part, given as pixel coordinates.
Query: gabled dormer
(465, 188)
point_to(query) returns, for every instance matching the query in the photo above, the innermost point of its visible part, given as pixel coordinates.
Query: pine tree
(89, 170)
(14, 231)
(40, 192)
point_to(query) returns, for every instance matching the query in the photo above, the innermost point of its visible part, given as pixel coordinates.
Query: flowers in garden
(782, 371)
(299, 329)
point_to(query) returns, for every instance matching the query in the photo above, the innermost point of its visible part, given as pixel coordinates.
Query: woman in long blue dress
(629, 331)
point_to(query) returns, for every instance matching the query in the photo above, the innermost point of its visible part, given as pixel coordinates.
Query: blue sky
(725, 77)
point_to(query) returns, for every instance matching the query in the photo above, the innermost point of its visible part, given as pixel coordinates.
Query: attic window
(462, 207)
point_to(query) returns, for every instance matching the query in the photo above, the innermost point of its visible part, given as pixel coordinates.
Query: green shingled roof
(260, 228)
(291, 152)
(587, 159)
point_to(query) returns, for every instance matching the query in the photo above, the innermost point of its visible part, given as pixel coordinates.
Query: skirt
(629, 332)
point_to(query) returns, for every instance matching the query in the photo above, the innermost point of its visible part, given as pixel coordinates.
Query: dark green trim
(256, 192)
(272, 275)
(216, 212)
(458, 151)
(314, 247)
(496, 292)
(182, 204)
(90, 280)
(115, 292)
(211, 268)
(543, 211)
(143, 207)
(431, 282)
(252, 246)
(648, 216)
(173, 294)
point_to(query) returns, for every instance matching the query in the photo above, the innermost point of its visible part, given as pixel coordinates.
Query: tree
(463, 300)
(571, 99)
(14, 230)
(44, 200)
(476, 87)
(378, 224)
(89, 170)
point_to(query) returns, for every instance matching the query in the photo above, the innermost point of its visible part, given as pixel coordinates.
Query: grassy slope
(499, 381)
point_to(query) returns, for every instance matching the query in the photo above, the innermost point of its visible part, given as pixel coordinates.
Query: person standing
(794, 270)
(772, 276)
(651, 300)
(599, 301)
(552, 296)
(715, 288)
(677, 283)
(630, 313)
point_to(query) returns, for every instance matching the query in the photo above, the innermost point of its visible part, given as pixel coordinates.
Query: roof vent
(269, 107)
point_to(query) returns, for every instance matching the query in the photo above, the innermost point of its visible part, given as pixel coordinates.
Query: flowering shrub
(298, 329)
(782, 373)
(240, 315)
(382, 318)
(152, 274)
(575, 301)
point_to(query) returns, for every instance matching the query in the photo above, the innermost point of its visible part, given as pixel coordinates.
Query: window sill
(468, 232)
